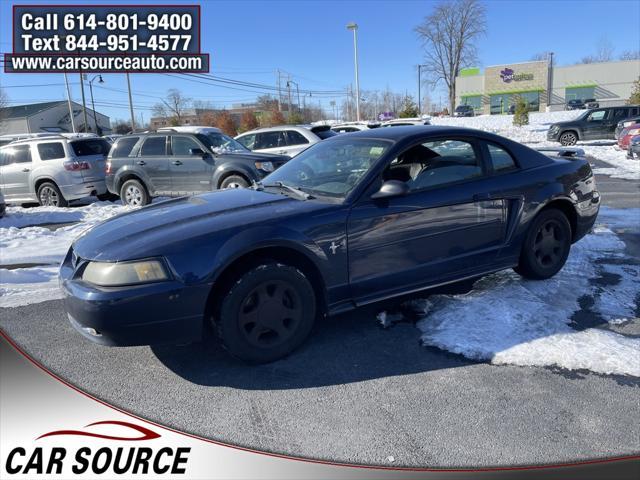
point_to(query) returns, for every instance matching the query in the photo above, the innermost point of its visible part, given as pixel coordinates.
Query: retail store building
(495, 89)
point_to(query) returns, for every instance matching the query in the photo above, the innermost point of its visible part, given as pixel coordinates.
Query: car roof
(408, 131)
(279, 127)
(69, 137)
(189, 129)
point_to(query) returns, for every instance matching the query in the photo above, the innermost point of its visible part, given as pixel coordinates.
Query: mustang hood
(163, 228)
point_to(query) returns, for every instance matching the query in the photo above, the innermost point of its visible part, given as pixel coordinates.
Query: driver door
(446, 224)
(596, 124)
(191, 173)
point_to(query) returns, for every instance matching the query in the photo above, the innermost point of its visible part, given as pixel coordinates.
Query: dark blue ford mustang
(352, 220)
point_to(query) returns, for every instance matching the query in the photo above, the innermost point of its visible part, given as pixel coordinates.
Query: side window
(435, 163)
(248, 140)
(596, 116)
(501, 160)
(295, 138)
(51, 151)
(17, 154)
(154, 146)
(270, 140)
(123, 147)
(182, 145)
(620, 113)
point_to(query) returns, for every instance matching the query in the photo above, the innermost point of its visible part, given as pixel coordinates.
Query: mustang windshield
(330, 168)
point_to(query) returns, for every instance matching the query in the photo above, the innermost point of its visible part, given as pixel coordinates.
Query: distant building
(50, 117)
(196, 116)
(492, 92)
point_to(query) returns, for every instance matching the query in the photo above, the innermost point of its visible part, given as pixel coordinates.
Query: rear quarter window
(85, 148)
(123, 147)
(501, 160)
(51, 151)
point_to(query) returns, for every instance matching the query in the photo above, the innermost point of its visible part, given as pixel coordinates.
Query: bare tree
(604, 52)
(173, 107)
(630, 55)
(541, 56)
(448, 35)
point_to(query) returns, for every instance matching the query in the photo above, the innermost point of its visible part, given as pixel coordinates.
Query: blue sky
(249, 40)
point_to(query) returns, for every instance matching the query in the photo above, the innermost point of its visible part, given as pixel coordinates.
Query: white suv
(285, 139)
(348, 127)
(53, 170)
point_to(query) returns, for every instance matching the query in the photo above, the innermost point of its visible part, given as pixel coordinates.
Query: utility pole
(550, 82)
(419, 90)
(84, 103)
(73, 123)
(354, 27)
(133, 118)
(289, 90)
(279, 92)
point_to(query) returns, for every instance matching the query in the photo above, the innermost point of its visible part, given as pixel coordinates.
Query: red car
(627, 134)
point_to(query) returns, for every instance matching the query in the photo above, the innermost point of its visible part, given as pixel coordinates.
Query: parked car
(53, 170)
(174, 163)
(627, 134)
(634, 147)
(285, 139)
(575, 104)
(591, 103)
(3, 205)
(623, 124)
(8, 138)
(464, 111)
(405, 122)
(352, 220)
(348, 127)
(591, 125)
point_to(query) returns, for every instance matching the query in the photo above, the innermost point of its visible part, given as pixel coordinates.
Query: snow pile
(535, 135)
(508, 320)
(41, 246)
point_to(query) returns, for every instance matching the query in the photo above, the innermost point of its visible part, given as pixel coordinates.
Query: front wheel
(546, 246)
(234, 181)
(267, 313)
(568, 139)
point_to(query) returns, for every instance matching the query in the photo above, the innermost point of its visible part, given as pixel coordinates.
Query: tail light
(76, 166)
(633, 132)
(107, 167)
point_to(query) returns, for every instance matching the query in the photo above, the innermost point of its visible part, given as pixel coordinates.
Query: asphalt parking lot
(358, 393)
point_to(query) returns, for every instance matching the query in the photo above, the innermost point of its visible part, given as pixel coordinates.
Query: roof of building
(20, 111)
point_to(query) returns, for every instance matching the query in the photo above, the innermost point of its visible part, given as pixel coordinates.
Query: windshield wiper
(302, 195)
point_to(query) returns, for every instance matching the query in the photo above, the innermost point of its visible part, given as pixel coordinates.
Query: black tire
(546, 246)
(134, 193)
(49, 195)
(266, 313)
(568, 138)
(234, 181)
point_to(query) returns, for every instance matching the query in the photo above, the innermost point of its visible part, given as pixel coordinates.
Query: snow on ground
(39, 245)
(505, 319)
(535, 135)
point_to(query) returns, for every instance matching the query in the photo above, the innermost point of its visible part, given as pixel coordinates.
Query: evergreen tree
(521, 116)
(409, 108)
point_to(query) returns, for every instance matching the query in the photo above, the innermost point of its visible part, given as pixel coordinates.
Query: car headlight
(265, 166)
(108, 274)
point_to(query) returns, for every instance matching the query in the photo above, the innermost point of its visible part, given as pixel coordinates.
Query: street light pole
(73, 123)
(419, 90)
(84, 103)
(354, 27)
(93, 105)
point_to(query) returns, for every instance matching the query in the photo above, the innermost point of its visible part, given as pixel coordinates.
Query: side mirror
(391, 188)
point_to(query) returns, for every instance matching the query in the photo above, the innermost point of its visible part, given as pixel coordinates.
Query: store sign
(508, 76)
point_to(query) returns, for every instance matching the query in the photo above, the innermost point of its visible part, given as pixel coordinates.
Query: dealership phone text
(132, 460)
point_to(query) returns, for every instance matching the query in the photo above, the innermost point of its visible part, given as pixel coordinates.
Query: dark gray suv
(142, 166)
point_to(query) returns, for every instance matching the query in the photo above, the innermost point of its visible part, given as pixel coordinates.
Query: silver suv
(53, 170)
(286, 139)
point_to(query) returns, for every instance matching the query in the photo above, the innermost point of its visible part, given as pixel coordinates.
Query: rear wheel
(568, 138)
(234, 181)
(546, 247)
(49, 195)
(267, 313)
(134, 193)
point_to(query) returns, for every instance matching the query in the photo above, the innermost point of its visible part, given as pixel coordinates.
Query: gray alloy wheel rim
(568, 139)
(49, 197)
(233, 185)
(133, 196)
(270, 314)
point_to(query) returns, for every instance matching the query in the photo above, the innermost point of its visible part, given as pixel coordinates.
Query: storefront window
(474, 100)
(579, 93)
(501, 103)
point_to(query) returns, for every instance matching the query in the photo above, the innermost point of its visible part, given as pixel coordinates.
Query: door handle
(481, 197)
(177, 162)
(141, 162)
(26, 169)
